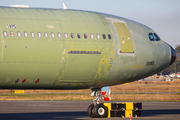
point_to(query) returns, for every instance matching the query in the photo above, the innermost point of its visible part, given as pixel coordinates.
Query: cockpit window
(151, 37)
(156, 37)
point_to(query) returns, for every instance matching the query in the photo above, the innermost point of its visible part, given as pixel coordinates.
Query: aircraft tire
(90, 110)
(100, 111)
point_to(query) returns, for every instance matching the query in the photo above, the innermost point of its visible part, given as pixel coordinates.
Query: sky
(163, 16)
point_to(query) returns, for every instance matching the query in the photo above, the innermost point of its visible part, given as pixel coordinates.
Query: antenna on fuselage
(64, 6)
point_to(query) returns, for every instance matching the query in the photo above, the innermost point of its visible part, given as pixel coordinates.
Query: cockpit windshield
(156, 37)
(153, 37)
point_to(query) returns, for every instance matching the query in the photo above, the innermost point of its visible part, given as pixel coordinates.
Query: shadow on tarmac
(74, 115)
(44, 115)
(146, 113)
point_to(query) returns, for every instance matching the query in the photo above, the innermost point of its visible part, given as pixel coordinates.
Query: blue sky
(163, 16)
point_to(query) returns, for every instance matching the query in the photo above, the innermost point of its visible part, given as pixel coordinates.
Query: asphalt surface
(77, 110)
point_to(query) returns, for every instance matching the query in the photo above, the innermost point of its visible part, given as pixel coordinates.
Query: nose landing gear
(97, 109)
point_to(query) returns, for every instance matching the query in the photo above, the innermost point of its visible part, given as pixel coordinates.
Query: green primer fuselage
(73, 63)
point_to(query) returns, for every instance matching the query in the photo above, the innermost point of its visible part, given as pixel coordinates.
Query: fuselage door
(124, 37)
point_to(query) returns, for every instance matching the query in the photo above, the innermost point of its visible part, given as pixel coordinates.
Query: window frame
(46, 35)
(32, 34)
(158, 38)
(152, 36)
(72, 35)
(5, 34)
(11, 33)
(65, 35)
(79, 36)
(109, 36)
(91, 36)
(18, 33)
(52, 35)
(85, 36)
(98, 36)
(59, 35)
(25, 34)
(104, 36)
(39, 34)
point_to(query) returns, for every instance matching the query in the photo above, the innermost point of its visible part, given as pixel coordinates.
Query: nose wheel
(98, 110)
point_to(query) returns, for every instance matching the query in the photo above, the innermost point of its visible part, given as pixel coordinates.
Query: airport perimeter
(135, 91)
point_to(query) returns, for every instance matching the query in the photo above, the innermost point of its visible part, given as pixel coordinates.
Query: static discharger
(24, 80)
(37, 81)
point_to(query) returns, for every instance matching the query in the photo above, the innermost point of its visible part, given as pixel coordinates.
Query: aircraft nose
(173, 55)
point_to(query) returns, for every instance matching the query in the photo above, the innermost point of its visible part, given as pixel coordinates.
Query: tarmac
(77, 110)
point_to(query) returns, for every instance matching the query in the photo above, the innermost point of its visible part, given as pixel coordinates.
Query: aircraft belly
(14, 73)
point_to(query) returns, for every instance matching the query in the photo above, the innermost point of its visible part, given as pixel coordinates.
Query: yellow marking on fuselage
(111, 51)
(139, 65)
(136, 66)
(59, 78)
(64, 51)
(50, 26)
(143, 66)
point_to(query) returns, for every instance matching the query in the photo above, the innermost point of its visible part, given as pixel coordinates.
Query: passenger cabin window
(25, 34)
(39, 34)
(85, 36)
(59, 35)
(45, 34)
(104, 36)
(79, 35)
(151, 37)
(92, 36)
(65, 35)
(19, 34)
(5, 33)
(109, 36)
(52, 35)
(97, 36)
(72, 35)
(32, 34)
(156, 37)
(12, 34)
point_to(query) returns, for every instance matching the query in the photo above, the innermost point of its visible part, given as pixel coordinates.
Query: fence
(146, 95)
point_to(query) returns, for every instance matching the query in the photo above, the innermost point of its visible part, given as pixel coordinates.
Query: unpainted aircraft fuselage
(71, 49)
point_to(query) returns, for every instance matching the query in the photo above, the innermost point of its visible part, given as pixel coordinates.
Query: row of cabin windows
(58, 35)
(153, 37)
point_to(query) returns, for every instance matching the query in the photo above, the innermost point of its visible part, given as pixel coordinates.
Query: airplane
(76, 49)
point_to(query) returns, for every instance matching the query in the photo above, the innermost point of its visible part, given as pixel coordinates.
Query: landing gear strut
(97, 109)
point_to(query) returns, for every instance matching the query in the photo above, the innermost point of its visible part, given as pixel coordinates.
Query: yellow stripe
(108, 105)
(128, 113)
(129, 106)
